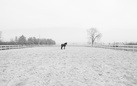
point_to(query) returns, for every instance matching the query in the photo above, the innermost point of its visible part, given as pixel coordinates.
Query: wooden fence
(119, 47)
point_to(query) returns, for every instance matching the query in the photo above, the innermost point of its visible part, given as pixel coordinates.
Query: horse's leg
(61, 47)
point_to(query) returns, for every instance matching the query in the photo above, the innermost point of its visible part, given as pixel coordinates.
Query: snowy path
(75, 66)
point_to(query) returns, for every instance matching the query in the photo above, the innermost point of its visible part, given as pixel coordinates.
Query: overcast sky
(68, 20)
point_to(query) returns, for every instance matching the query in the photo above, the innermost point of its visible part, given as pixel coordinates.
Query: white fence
(116, 47)
(119, 47)
(7, 47)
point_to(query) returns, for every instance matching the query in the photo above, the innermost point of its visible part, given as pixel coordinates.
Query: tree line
(22, 40)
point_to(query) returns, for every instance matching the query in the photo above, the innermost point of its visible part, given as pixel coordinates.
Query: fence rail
(119, 47)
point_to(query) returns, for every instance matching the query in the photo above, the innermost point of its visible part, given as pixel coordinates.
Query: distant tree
(47, 41)
(43, 41)
(30, 41)
(131, 43)
(36, 41)
(93, 34)
(22, 40)
(33, 40)
(51, 42)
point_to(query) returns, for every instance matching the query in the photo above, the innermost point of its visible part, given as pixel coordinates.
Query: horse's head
(65, 43)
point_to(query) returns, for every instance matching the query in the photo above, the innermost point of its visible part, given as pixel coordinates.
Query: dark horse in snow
(63, 45)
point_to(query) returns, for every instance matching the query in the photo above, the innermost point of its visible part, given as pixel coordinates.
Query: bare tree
(93, 34)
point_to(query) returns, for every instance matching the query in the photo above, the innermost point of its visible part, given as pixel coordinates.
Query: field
(74, 66)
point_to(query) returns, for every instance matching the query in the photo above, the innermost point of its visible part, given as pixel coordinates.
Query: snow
(74, 66)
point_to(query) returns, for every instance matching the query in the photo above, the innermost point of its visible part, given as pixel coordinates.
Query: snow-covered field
(75, 66)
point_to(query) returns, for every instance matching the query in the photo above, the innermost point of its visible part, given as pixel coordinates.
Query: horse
(63, 45)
